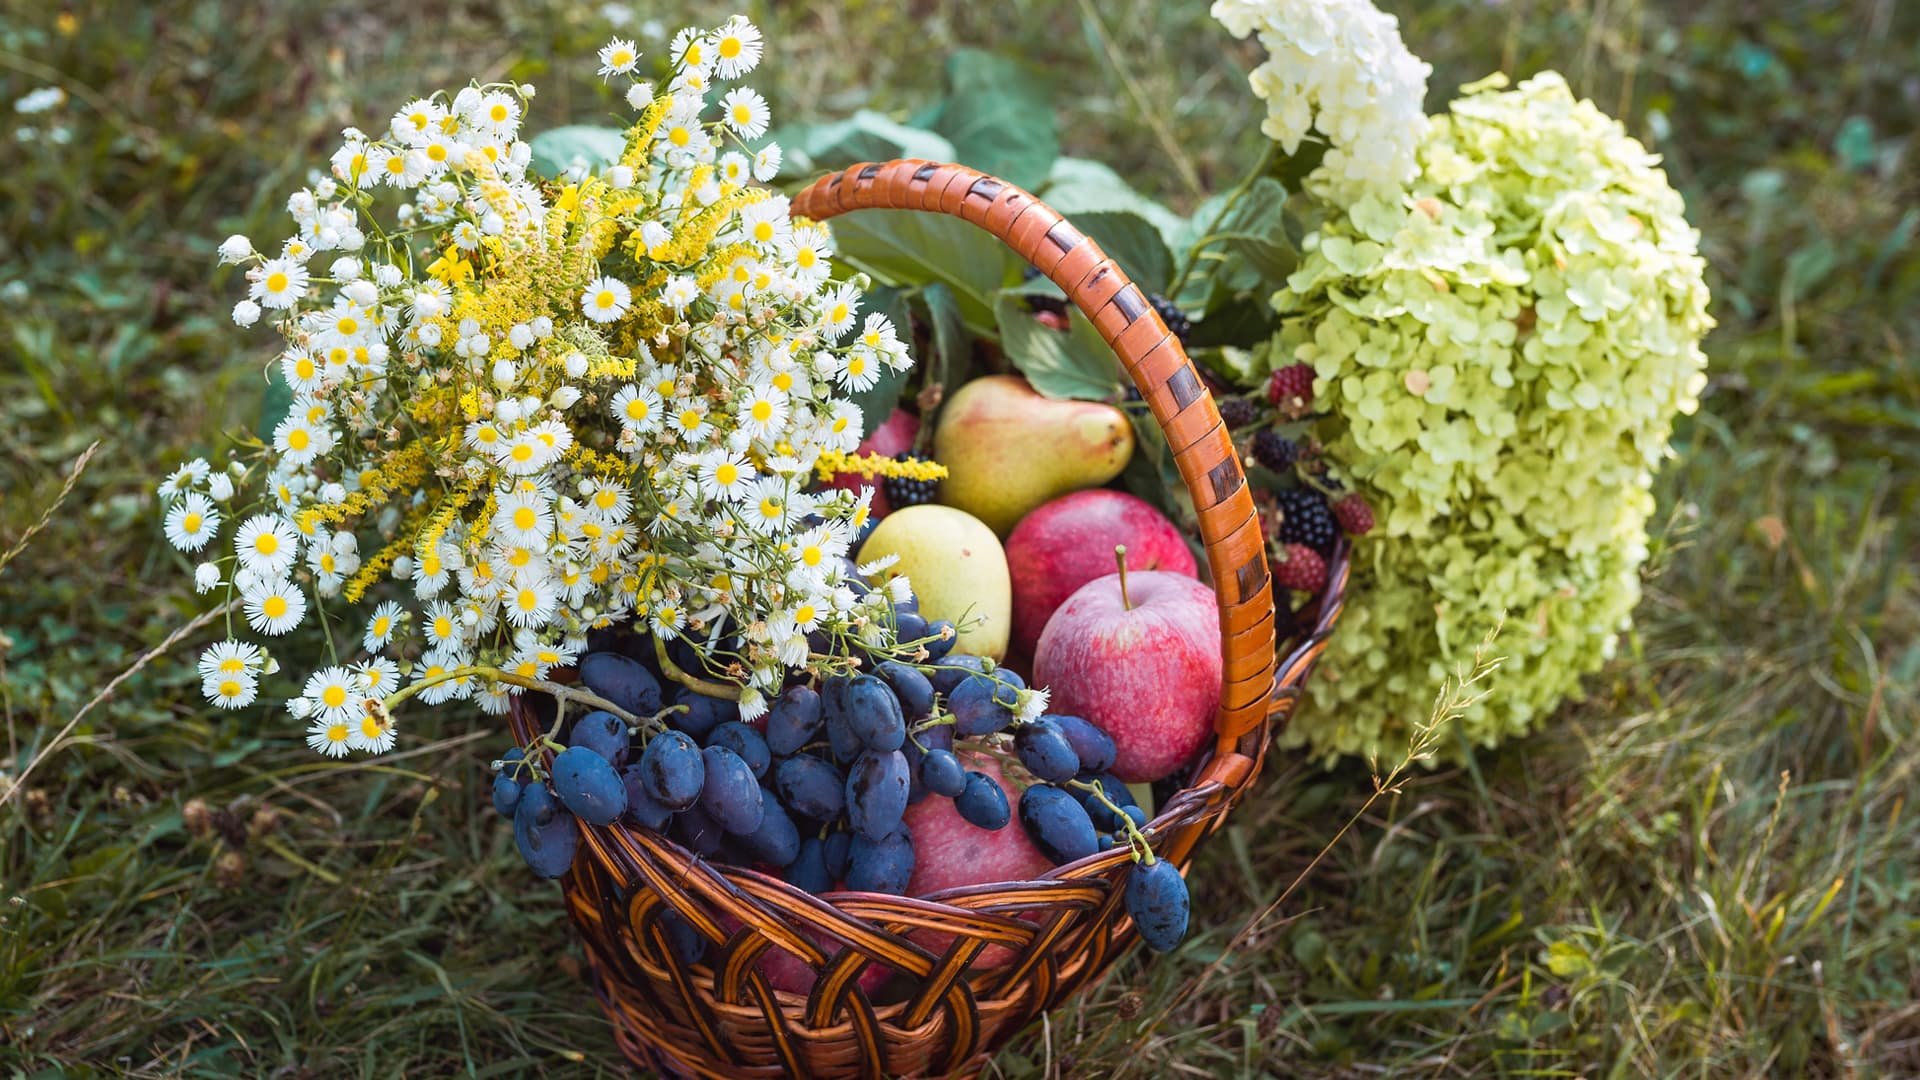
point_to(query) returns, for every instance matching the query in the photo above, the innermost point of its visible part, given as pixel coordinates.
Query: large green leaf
(1077, 186)
(865, 136)
(556, 151)
(907, 248)
(877, 401)
(1131, 241)
(275, 403)
(1254, 229)
(999, 116)
(952, 346)
(1074, 364)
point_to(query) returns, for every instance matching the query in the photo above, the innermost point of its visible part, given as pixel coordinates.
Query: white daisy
(679, 292)
(380, 627)
(532, 603)
(637, 408)
(736, 48)
(606, 299)
(267, 544)
(725, 476)
(370, 734)
(441, 626)
(231, 690)
(606, 500)
(763, 411)
(230, 657)
(378, 676)
(766, 163)
(335, 694)
(191, 522)
(523, 517)
(272, 605)
(617, 57)
(278, 283)
(329, 737)
(745, 111)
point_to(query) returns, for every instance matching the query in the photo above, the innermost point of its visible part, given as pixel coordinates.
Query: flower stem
(723, 691)
(1212, 234)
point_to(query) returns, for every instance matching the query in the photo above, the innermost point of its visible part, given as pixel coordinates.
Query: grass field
(1708, 868)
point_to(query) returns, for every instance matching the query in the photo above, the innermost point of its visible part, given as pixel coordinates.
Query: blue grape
(642, 809)
(941, 642)
(810, 787)
(672, 770)
(883, 865)
(909, 606)
(793, 720)
(1135, 815)
(702, 713)
(1007, 686)
(512, 763)
(873, 714)
(1057, 823)
(622, 680)
(836, 849)
(947, 674)
(1107, 841)
(808, 870)
(687, 944)
(975, 709)
(911, 687)
(1045, 751)
(841, 740)
(941, 772)
(1116, 792)
(1094, 747)
(776, 841)
(588, 785)
(506, 793)
(983, 803)
(908, 625)
(604, 734)
(731, 795)
(1156, 897)
(696, 831)
(877, 793)
(544, 832)
(743, 740)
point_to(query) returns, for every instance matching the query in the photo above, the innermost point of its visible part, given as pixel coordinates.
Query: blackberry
(1354, 514)
(1175, 319)
(1275, 451)
(1238, 411)
(1291, 389)
(902, 492)
(1300, 567)
(1306, 519)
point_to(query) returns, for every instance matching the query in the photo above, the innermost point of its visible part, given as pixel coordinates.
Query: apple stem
(1120, 556)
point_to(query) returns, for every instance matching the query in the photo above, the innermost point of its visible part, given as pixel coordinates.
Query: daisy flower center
(726, 474)
(524, 518)
(276, 281)
(274, 606)
(527, 599)
(334, 696)
(190, 524)
(763, 411)
(266, 543)
(297, 440)
(230, 688)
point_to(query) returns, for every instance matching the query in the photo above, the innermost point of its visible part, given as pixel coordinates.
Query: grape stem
(1137, 840)
(382, 708)
(712, 689)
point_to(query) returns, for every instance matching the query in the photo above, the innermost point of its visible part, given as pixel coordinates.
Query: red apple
(1069, 542)
(950, 853)
(1139, 655)
(894, 435)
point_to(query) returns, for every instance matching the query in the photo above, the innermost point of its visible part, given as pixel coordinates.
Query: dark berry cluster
(1175, 319)
(903, 491)
(1306, 519)
(1275, 451)
(1237, 411)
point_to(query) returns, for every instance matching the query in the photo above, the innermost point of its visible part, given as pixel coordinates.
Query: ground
(1707, 868)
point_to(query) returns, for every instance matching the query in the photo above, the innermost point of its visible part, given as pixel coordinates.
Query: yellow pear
(957, 568)
(1007, 449)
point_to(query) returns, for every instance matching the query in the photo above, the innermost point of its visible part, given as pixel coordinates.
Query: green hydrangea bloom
(1501, 349)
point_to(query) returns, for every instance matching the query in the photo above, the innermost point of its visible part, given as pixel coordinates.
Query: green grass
(1708, 868)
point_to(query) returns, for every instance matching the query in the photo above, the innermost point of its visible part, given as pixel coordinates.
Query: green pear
(1007, 449)
(957, 568)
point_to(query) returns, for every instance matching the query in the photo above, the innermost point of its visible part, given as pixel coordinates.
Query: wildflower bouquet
(524, 410)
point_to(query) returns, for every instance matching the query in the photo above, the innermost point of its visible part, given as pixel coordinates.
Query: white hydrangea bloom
(1337, 66)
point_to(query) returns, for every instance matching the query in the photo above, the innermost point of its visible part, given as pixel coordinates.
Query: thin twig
(73, 477)
(106, 692)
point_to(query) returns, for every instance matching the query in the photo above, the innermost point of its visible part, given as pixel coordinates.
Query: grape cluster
(903, 491)
(817, 790)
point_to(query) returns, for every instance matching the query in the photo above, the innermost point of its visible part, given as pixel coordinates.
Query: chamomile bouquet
(523, 410)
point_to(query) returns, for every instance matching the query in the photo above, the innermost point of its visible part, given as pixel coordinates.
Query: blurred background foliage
(1709, 867)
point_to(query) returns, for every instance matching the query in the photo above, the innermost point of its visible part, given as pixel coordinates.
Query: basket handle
(1202, 446)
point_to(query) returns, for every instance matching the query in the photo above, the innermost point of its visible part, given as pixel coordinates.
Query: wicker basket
(1062, 931)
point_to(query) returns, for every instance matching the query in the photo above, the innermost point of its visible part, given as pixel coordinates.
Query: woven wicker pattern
(978, 963)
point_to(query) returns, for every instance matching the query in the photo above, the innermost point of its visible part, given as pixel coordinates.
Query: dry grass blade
(73, 477)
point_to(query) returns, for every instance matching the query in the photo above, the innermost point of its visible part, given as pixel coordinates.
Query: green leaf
(1077, 186)
(907, 248)
(1131, 241)
(556, 151)
(952, 347)
(877, 401)
(1075, 364)
(275, 403)
(999, 116)
(865, 136)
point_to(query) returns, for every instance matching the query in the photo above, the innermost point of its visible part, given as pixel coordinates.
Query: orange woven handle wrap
(1152, 356)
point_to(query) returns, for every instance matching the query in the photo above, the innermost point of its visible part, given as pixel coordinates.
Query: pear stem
(1120, 556)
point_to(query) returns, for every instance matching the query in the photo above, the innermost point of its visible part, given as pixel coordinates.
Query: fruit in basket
(588, 785)
(883, 865)
(506, 793)
(1057, 822)
(903, 491)
(873, 714)
(958, 570)
(1300, 567)
(877, 793)
(1156, 898)
(810, 787)
(544, 832)
(793, 720)
(672, 770)
(776, 841)
(1043, 748)
(940, 771)
(604, 734)
(1306, 519)
(1138, 655)
(1069, 542)
(642, 809)
(731, 795)
(1007, 449)
(744, 741)
(1091, 745)
(622, 680)
(983, 802)
(953, 851)
(895, 435)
